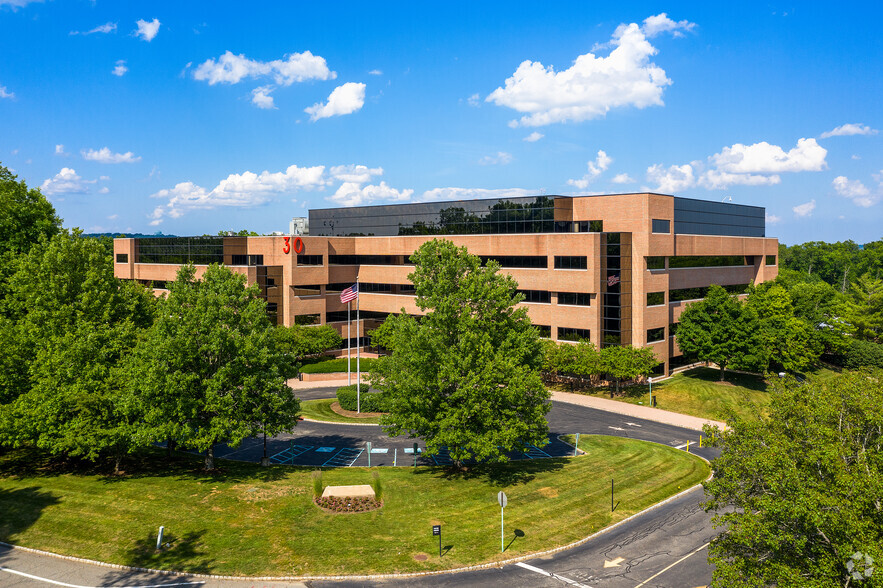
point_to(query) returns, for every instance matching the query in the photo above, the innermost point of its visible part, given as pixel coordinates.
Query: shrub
(864, 354)
(377, 485)
(318, 486)
(370, 402)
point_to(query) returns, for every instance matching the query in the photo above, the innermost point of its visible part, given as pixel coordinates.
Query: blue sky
(191, 117)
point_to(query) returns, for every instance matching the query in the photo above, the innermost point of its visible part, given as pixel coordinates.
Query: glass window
(571, 334)
(517, 261)
(661, 225)
(122, 258)
(655, 262)
(575, 298)
(309, 260)
(596, 226)
(654, 335)
(705, 261)
(576, 262)
(538, 296)
(306, 290)
(771, 260)
(698, 293)
(306, 319)
(655, 298)
(180, 250)
(545, 331)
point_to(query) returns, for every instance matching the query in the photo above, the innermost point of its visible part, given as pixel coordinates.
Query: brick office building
(612, 269)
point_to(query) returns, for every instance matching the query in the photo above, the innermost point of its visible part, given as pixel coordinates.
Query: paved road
(666, 547)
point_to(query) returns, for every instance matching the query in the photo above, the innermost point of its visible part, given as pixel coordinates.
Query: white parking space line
(659, 573)
(57, 583)
(521, 564)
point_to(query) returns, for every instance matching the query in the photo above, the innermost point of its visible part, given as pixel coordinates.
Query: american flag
(611, 281)
(350, 293)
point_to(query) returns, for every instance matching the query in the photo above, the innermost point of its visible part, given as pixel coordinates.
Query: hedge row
(370, 401)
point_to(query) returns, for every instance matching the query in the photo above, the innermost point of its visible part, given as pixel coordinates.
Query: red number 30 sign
(298, 245)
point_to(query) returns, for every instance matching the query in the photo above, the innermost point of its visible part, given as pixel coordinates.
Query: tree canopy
(208, 370)
(720, 329)
(26, 216)
(466, 374)
(800, 490)
(71, 324)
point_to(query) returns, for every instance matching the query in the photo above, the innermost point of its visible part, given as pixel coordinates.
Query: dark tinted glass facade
(703, 217)
(463, 217)
(180, 250)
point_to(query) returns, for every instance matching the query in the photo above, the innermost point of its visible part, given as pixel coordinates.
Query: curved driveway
(663, 547)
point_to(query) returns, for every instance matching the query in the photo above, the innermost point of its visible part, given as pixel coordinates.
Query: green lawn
(699, 393)
(324, 365)
(250, 520)
(320, 410)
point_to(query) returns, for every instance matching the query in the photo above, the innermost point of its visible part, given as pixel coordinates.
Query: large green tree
(720, 329)
(786, 341)
(72, 322)
(466, 375)
(208, 370)
(300, 341)
(864, 309)
(800, 490)
(624, 362)
(26, 218)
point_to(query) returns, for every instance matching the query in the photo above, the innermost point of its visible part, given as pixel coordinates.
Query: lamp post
(650, 381)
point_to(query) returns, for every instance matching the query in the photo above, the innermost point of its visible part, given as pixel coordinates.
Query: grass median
(249, 520)
(320, 410)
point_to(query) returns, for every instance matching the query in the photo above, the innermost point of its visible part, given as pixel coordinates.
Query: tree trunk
(210, 458)
(118, 460)
(723, 371)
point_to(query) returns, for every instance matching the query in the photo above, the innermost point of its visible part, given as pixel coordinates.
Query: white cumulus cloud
(804, 210)
(596, 168)
(673, 179)
(344, 99)
(762, 157)
(65, 182)
(295, 67)
(590, 88)
(59, 150)
(4, 93)
(771, 219)
(120, 68)
(856, 191)
(105, 155)
(499, 158)
(661, 23)
(622, 179)
(147, 30)
(354, 194)
(534, 137)
(849, 129)
(437, 194)
(237, 190)
(358, 174)
(758, 164)
(375, 72)
(261, 98)
(107, 27)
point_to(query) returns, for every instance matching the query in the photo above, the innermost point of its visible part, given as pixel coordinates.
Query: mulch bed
(347, 505)
(335, 406)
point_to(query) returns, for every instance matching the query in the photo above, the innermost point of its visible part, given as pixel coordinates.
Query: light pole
(650, 381)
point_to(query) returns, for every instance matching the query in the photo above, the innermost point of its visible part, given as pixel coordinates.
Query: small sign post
(415, 454)
(576, 445)
(436, 530)
(159, 537)
(368, 449)
(503, 501)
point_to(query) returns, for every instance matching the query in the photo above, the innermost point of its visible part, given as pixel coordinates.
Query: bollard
(159, 537)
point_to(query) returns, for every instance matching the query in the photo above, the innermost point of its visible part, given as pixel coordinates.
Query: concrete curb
(306, 420)
(497, 564)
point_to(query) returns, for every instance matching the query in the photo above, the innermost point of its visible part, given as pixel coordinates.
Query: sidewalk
(624, 408)
(636, 410)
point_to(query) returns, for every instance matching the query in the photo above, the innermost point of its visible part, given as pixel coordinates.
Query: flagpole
(358, 355)
(348, 375)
